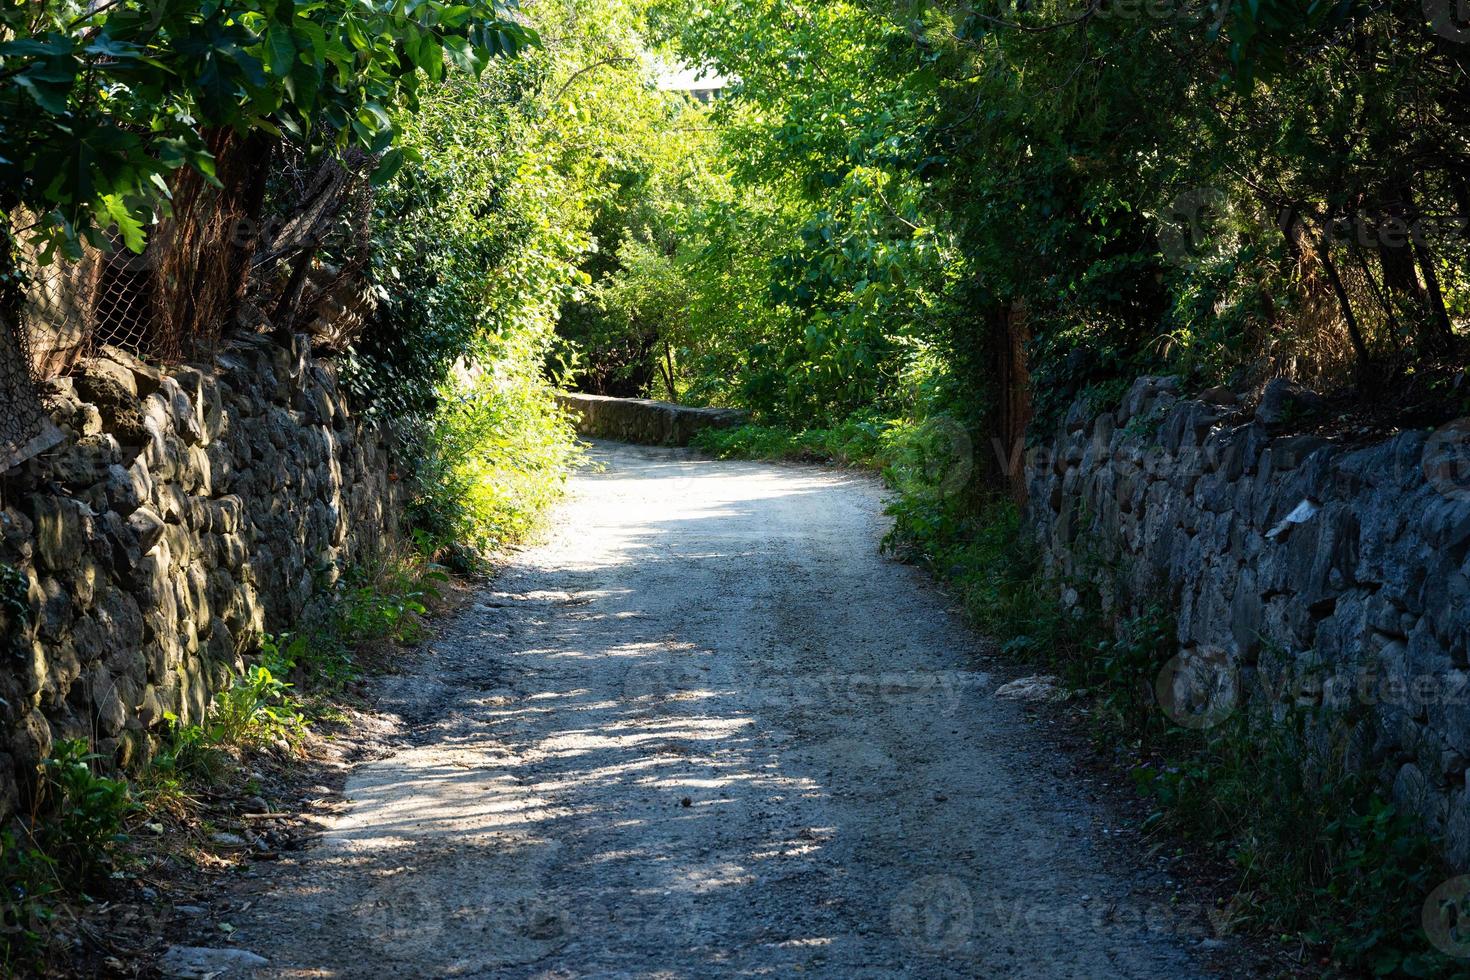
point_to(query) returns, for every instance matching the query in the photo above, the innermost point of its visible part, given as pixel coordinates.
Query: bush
(1318, 849)
(497, 457)
(257, 710)
(28, 887)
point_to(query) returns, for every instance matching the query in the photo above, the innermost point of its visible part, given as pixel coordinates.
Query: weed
(186, 756)
(29, 882)
(316, 653)
(1318, 848)
(387, 602)
(1145, 427)
(71, 835)
(382, 601)
(86, 811)
(1123, 670)
(256, 710)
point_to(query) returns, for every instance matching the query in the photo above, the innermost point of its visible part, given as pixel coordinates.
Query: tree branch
(580, 72)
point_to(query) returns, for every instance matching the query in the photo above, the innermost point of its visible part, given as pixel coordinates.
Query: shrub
(84, 811)
(28, 887)
(255, 711)
(497, 457)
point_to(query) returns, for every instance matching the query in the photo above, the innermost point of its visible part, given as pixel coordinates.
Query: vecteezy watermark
(934, 915)
(1098, 916)
(404, 913)
(1446, 460)
(1188, 224)
(1198, 688)
(1446, 917)
(1208, 12)
(1369, 687)
(413, 914)
(953, 465)
(1450, 19)
(681, 678)
(1185, 224)
(942, 689)
(664, 677)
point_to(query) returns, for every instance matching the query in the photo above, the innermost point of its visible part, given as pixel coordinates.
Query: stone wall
(1303, 571)
(642, 421)
(185, 512)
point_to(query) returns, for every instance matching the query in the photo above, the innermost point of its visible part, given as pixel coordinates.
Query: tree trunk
(669, 373)
(1011, 412)
(1355, 333)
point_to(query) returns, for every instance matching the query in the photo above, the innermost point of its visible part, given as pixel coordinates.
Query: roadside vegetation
(90, 830)
(497, 139)
(1324, 862)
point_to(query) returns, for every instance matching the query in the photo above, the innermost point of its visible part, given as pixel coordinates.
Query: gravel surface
(707, 730)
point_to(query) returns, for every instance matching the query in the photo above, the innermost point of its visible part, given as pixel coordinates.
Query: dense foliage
(916, 196)
(101, 104)
(480, 245)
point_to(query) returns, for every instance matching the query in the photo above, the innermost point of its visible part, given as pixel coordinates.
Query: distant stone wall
(1302, 570)
(643, 421)
(185, 512)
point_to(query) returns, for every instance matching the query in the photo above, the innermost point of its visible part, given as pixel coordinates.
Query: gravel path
(706, 730)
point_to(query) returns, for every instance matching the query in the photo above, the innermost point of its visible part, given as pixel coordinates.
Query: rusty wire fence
(24, 427)
(215, 263)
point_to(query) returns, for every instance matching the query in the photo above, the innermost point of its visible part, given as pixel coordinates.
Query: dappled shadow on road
(705, 731)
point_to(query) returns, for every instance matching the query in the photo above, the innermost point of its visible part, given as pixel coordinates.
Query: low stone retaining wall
(185, 512)
(1302, 571)
(643, 421)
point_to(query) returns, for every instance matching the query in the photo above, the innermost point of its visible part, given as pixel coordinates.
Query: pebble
(199, 962)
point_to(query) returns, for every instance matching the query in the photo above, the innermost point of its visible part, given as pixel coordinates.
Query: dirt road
(706, 730)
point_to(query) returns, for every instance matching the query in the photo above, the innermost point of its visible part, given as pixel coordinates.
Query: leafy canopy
(99, 106)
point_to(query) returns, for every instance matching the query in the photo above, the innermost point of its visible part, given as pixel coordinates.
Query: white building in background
(704, 84)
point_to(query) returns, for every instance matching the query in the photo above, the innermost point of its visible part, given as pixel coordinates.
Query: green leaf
(52, 98)
(373, 116)
(56, 44)
(391, 163)
(355, 34)
(280, 49)
(131, 229)
(461, 53)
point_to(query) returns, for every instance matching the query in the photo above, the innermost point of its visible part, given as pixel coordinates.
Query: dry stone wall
(640, 420)
(186, 511)
(1304, 572)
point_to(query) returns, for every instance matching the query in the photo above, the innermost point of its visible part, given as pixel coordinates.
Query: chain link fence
(215, 261)
(24, 427)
